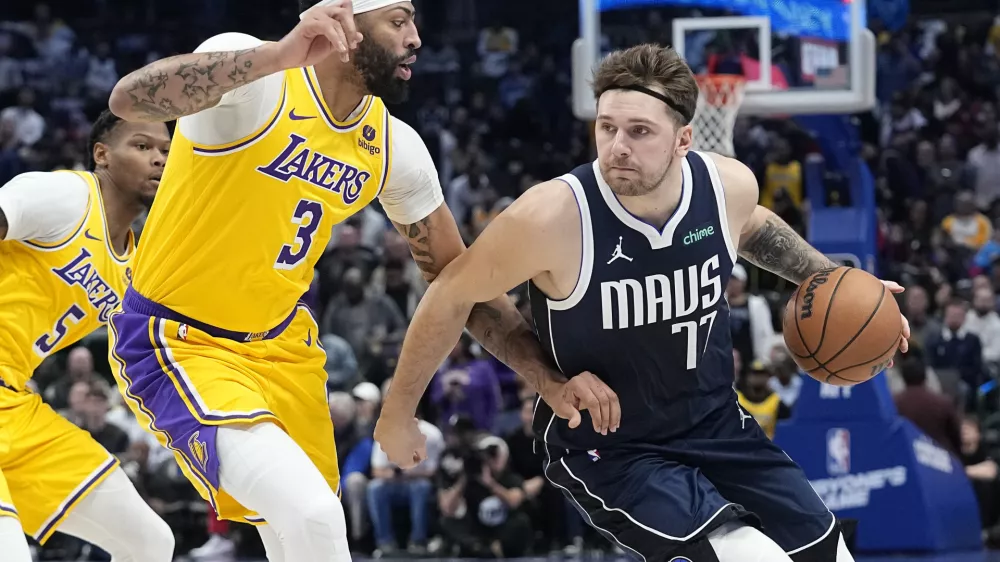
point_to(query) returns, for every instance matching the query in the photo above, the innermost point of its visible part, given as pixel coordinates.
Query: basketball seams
(802, 338)
(863, 363)
(860, 331)
(826, 318)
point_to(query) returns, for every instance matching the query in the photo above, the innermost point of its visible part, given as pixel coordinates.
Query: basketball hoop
(718, 106)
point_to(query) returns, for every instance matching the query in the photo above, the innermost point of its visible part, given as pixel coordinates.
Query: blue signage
(822, 19)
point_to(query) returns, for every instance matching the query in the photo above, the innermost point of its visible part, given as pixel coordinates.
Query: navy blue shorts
(661, 500)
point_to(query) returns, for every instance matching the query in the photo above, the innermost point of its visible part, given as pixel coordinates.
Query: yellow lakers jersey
(237, 229)
(765, 412)
(54, 294)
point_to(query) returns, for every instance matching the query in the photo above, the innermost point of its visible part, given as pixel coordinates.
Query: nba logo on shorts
(838, 451)
(182, 332)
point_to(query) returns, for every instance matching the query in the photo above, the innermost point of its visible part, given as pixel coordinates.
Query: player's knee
(157, 541)
(323, 518)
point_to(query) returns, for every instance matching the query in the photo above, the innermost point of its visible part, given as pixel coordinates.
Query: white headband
(361, 6)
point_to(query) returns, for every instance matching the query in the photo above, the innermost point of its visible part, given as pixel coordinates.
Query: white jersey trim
(657, 239)
(720, 200)
(587, 250)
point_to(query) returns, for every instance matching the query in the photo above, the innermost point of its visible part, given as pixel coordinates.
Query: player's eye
(142, 146)
(606, 127)
(640, 131)
(399, 23)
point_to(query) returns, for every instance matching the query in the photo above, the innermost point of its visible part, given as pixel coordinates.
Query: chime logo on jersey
(659, 297)
(317, 169)
(81, 271)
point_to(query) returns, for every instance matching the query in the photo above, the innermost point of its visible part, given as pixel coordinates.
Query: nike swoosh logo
(294, 117)
(87, 234)
(309, 338)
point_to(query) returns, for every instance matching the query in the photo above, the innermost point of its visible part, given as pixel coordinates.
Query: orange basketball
(842, 326)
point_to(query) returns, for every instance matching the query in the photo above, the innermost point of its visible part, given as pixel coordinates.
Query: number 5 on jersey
(308, 214)
(47, 342)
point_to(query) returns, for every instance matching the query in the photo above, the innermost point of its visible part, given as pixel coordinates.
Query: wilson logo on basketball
(807, 299)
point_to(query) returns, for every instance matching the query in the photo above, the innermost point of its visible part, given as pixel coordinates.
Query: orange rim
(716, 88)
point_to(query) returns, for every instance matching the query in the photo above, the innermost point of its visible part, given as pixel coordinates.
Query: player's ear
(100, 154)
(685, 136)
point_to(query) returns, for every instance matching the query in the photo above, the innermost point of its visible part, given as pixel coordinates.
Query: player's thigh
(51, 466)
(645, 504)
(7, 508)
(183, 384)
(297, 392)
(747, 468)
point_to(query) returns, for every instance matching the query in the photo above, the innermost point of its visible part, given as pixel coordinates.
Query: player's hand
(585, 392)
(324, 29)
(904, 344)
(401, 440)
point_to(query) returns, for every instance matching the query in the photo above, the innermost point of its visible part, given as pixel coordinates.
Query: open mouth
(403, 69)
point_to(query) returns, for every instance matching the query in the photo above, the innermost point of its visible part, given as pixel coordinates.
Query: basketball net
(718, 106)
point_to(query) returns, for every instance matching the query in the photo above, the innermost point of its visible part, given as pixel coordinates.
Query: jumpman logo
(618, 252)
(743, 417)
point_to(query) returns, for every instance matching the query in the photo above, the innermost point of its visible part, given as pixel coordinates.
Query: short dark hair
(102, 129)
(653, 67)
(959, 302)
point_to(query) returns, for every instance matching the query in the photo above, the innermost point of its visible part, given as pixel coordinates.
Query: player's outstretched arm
(183, 85)
(521, 243)
(497, 325)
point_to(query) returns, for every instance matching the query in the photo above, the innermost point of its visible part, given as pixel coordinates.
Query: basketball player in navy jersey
(628, 258)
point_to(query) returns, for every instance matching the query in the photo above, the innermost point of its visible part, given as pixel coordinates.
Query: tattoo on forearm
(780, 250)
(509, 338)
(418, 237)
(186, 84)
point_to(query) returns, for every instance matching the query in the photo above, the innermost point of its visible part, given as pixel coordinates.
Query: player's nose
(413, 41)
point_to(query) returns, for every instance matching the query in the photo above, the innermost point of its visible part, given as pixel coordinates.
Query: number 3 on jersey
(308, 214)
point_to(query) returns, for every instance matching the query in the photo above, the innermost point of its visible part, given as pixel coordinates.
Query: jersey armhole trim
(252, 138)
(386, 147)
(59, 244)
(587, 248)
(339, 126)
(720, 201)
(121, 259)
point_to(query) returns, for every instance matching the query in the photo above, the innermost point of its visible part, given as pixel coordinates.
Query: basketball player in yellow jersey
(275, 144)
(65, 247)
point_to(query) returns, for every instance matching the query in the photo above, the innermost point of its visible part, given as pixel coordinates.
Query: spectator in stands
(902, 124)
(399, 288)
(467, 385)
(95, 419)
(367, 321)
(27, 126)
(983, 321)
(756, 397)
(749, 318)
(982, 471)
(782, 174)
(498, 44)
(347, 252)
(786, 381)
(551, 515)
(987, 256)
(932, 413)
(79, 368)
(967, 226)
(480, 502)
(354, 451)
(955, 349)
(341, 365)
(390, 487)
(984, 161)
(368, 398)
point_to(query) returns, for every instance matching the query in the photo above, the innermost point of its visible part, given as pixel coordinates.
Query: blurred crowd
(490, 98)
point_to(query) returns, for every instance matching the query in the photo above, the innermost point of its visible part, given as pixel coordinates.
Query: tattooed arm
(496, 324)
(764, 239)
(186, 84)
(183, 85)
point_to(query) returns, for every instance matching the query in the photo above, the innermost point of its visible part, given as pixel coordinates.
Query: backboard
(798, 56)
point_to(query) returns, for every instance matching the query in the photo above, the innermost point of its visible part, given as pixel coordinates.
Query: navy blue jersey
(648, 314)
